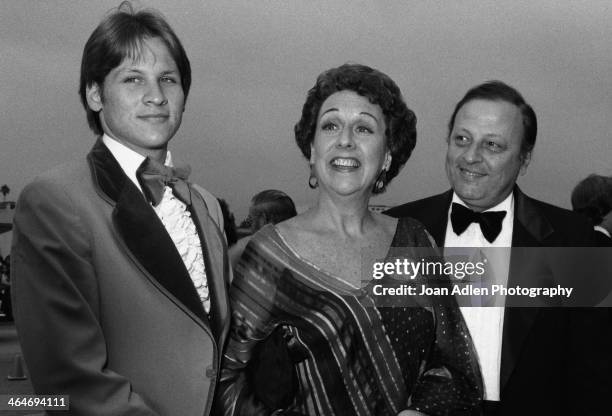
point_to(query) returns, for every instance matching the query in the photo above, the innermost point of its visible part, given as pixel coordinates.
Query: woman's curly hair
(379, 89)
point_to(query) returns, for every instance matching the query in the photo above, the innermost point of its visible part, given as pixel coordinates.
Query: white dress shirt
(173, 214)
(128, 159)
(486, 323)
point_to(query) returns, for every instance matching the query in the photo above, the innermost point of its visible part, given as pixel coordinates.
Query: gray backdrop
(253, 62)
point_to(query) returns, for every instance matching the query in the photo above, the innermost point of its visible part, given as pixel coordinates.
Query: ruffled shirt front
(176, 218)
(173, 213)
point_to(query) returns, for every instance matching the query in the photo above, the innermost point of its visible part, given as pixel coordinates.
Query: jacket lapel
(143, 234)
(216, 262)
(530, 229)
(434, 215)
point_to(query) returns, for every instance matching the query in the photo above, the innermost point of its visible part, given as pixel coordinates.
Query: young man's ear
(93, 93)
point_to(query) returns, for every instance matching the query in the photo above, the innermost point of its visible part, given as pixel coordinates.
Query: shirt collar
(506, 205)
(128, 159)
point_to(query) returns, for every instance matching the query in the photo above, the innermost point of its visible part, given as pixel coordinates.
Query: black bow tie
(490, 222)
(154, 177)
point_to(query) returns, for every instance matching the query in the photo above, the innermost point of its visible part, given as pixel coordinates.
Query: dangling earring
(313, 182)
(379, 185)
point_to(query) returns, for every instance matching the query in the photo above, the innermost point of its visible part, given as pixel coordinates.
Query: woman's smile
(345, 164)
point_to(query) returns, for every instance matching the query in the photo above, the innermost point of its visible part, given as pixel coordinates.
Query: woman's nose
(345, 138)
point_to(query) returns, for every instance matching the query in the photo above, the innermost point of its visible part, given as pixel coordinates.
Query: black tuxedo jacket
(603, 240)
(555, 361)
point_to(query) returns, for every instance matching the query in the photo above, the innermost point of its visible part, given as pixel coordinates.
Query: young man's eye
(460, 140)
(169, 80)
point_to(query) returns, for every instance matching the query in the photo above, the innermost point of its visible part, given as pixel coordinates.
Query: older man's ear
(525, 159)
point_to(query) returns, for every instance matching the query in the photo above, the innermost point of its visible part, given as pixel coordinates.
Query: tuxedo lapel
(434, 215)
(143, 234)
(432, 212)
(517, 324)
(521, 237)
(530, 228)
(216, 262)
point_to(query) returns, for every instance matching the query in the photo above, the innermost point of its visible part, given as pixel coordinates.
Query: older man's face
(484, 159)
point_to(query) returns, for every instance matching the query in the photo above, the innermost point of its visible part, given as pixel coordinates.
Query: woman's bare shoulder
(295, 227)
(385, 222)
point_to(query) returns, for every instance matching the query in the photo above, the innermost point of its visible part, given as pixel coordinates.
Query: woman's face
(349, 148)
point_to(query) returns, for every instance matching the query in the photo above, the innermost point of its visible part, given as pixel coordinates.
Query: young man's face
(141, 101)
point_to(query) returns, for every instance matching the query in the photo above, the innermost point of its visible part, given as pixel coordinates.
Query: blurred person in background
(592, 197)
(5, 288)
(267, 207)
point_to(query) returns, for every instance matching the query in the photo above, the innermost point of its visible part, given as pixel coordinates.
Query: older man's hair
(592, 197)
(121, 35)
(500, 91)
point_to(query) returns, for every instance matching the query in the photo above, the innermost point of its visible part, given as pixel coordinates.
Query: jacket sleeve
(214, 209)
(56, 306)
(451, 381)
(252, 303)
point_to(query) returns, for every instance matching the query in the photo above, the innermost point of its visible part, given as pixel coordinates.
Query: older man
(120, 270)
(540, 361)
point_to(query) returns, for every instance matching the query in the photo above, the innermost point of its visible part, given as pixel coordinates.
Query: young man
(120, 270)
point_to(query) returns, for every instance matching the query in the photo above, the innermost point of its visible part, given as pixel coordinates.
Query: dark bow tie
(154, 177)
(490, 222)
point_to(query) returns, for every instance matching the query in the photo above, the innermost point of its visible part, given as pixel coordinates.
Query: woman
(352, 358)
